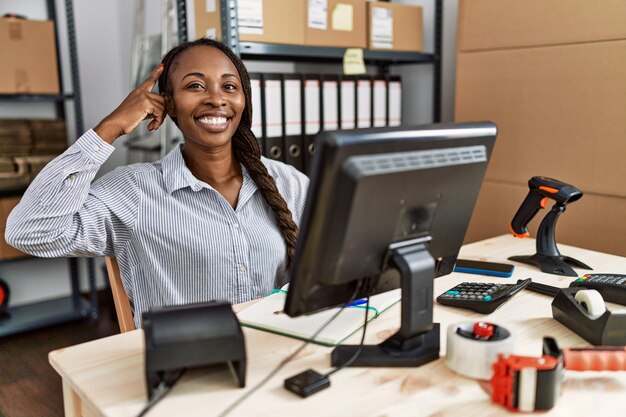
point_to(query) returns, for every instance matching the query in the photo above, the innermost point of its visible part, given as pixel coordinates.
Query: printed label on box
(250, 16)
(318, 12)
(382, 28)
(210, 6)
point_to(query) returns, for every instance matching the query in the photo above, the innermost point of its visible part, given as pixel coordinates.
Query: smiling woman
(212, 220)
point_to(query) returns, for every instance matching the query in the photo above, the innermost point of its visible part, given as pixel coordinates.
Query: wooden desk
(106, 377)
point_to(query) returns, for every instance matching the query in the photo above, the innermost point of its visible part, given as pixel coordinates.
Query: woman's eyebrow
(201, 75)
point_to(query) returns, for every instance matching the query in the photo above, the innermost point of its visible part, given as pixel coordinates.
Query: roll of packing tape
(592, 302)
(472, 348)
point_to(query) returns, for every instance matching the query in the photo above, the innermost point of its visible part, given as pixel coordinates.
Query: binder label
(382, 28)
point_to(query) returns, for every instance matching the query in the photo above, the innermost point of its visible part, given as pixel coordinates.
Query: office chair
(120, 299)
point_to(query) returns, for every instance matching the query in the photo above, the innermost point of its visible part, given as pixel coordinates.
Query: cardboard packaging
(264, 21)
(500, 24)
(343, 24)
(394, 27)
(29, 57)
(559, 108)
(7, 252)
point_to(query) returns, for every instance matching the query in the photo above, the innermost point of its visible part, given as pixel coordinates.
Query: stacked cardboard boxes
(29, 57)
(552, 76)
(335, 23)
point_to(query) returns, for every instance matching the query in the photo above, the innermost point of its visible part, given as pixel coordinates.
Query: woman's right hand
(141, 104)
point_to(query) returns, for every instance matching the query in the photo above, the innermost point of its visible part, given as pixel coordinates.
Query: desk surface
(106, 377)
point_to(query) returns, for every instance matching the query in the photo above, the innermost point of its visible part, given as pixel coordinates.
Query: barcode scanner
(548, 258)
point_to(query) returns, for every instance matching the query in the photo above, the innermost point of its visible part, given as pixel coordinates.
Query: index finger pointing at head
(148, 85)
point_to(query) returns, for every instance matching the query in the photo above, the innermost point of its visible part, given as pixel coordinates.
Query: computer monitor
(387, 208)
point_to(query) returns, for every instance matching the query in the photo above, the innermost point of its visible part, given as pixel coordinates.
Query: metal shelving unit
(72, 307)
(319, 54)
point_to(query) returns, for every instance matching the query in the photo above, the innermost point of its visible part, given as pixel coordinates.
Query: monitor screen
(374, 194)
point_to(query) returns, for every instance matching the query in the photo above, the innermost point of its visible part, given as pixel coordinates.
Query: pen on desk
(357, 303)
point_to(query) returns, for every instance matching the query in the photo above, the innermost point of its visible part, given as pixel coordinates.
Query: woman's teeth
(213, 120)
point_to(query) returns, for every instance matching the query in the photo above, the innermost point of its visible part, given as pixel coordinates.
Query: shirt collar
(176, 175)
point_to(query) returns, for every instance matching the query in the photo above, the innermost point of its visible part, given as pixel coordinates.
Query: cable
(159, 393)
(359, 350)
(269, 376)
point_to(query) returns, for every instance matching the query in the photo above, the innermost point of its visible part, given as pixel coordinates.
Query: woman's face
(207, 96)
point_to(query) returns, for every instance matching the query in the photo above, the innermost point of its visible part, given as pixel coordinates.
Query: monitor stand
(417, 341)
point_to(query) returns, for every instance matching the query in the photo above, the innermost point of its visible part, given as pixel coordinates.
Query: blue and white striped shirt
(176, 239)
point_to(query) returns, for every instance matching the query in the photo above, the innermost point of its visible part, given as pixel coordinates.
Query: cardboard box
(29, 57)
(394, 27)
(594, 222)
(6, 251)
(560, 111)
(343, 25)
(498, 24)
(551, 76)
(266, 21)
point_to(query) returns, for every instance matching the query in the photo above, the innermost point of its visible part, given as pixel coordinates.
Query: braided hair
(245, 145)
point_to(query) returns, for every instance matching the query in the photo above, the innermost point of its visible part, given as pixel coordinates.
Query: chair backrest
(122, 303)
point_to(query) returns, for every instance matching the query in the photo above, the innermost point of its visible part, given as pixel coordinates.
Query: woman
(211, 220)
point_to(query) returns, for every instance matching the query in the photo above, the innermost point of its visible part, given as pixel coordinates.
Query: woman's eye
(195, 86)
(230, 86)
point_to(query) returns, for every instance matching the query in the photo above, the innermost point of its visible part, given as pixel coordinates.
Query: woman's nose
(214, 96)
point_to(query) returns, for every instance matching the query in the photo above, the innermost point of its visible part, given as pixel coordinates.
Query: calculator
(612, 287)
(482, 297)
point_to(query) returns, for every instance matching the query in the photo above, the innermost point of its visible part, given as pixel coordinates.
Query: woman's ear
(169, 106)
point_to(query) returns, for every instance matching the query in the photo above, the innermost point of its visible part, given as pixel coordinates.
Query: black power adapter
(307, 383)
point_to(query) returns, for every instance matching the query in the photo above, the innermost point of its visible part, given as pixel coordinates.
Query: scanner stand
(548, 258)
(417, 341)
(181, 337)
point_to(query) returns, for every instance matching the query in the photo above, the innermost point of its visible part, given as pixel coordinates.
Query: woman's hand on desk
(141, 104)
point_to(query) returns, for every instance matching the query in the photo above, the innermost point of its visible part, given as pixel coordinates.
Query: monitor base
(384, 355)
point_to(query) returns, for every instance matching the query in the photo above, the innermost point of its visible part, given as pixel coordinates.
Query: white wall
(104, 32)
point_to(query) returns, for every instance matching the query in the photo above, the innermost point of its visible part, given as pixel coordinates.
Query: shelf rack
(72, 307)
(320, 54)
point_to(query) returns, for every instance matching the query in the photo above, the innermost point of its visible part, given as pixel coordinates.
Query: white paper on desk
(267, 314)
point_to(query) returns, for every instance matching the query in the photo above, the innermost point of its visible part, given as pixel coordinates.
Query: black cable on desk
(159, 393)
(359, 350)
(290, 357)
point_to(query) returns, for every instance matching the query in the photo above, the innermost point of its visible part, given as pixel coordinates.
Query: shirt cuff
(94, 147)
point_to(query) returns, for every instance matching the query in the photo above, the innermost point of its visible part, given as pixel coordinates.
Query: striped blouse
(176, 239)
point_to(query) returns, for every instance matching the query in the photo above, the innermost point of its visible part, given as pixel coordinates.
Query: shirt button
(242, 268)
(71, 177)
(236, 225)
(96, 148)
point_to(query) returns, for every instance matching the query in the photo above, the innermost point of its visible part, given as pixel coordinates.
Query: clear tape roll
(474, 358)
(592, 302)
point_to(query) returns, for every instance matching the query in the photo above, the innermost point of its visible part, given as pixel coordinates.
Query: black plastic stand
(417, 341)
(181, 337)
(548, 258)
(607, 330)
